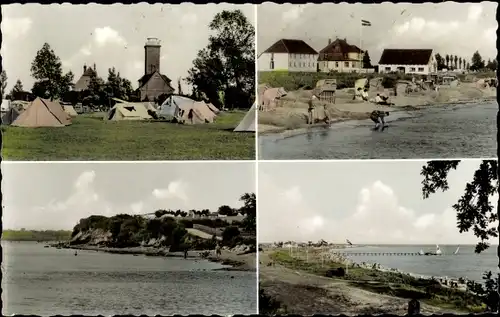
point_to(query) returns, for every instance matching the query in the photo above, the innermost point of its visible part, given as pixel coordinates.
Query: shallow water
(49, 281)
(465, 264)
(462, 131)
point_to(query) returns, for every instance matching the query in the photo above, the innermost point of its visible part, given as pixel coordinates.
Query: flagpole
(360, 44)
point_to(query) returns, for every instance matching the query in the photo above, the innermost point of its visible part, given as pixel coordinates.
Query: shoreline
(283, 133)
(232, 260)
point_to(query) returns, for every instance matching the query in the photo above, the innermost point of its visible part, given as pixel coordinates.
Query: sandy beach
(289, 118)
(235, 260)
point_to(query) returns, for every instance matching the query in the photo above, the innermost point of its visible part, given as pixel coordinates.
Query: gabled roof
(291, 47)
(83, 82)
(405, 57)
(337, 51)
(144, 79)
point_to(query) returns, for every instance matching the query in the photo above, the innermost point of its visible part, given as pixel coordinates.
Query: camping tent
(9, 116)
(70, 110)
(247, 124)
(128, 111)
(187, 110)
(43, 113)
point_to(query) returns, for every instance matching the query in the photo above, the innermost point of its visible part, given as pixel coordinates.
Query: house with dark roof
(408, 61)
(153, 83)
(340, 56)
(83, 83)
(289, 55)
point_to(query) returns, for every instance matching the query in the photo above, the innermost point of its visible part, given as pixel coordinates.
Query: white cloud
(284, 215)
(107, 35)
(175, 189)
(378, 218)
(15, 28)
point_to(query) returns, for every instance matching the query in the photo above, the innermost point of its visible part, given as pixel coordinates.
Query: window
(412, 69)
(420, 69)
(387, 69)
(346, 64)
(289, 64)
(294, 65)
(337, 64)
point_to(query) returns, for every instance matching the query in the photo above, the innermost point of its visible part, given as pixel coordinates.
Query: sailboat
(437, 252)
(456, 251)
(349, 243)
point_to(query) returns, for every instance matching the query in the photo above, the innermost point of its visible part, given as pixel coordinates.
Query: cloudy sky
(366, 202)
(108, 35)
(448, 27)
(58, 195)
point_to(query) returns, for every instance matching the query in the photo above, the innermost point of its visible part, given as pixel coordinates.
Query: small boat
(456, 251)
(76, 253)
(437, 252)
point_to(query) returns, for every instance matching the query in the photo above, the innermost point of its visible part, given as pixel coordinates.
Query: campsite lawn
(90, 138)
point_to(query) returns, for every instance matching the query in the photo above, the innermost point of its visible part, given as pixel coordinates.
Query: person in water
(378, 116)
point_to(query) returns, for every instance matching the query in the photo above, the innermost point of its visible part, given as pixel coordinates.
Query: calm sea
(465, 263)
(49, 281)
(447, 132)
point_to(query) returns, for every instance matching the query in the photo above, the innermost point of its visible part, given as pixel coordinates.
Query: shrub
(230, 233)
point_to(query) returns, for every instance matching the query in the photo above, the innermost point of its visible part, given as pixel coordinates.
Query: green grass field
(90, 138)
(33, 235)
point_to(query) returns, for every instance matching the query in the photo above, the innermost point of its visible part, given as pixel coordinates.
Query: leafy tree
(18, 87)
(249, 209)
(228, 61)
(225, 210)
(3, 82)
(47, 70)
(440, 61)
(492, 64)
(455, 59)
(95, 90)
(447, 60)
(366, 60)
(116, 86)
(474, 209)
(477, 62)
(230, 233)
(179, 87)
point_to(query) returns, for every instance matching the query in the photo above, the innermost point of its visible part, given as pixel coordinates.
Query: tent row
(46, 113)
(39, 113)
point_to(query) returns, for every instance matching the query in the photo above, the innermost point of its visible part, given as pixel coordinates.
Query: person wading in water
(378, 116)
(310, 109)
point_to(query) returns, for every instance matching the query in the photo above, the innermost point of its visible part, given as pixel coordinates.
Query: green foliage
(249, 209)
(230, 233)
(46, 69)
(477, 62)
(227, 63)
(18, 87)
(35, 235)
(225, 210)
(366, 60)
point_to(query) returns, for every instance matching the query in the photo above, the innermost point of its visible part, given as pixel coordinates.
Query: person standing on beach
(378, 116)
(217, 250)
(310, 109)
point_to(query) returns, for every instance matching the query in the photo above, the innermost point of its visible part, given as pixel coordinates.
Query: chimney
(84, 68)
(329, 41)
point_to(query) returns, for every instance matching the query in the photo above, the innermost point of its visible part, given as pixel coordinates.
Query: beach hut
(43, 113)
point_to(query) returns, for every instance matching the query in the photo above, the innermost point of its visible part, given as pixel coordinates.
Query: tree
(366, 60)
(455, 59)
(249, 209)
(477, 62)
(3, 82)
(96, 90)
(46, 68)
(225, 210)
(18, 87)
(116, 86)
(460, 62)
(468, 66)
(230, 233)
(474, 210)
(492, 64)
(447, 60)
(179, 87)
(440, 61)
(228, 61)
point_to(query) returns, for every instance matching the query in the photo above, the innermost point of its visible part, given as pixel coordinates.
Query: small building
(84, 81)
(326, 90)
(288, 55)
(340, 56)
(408, 61)
(153, 83)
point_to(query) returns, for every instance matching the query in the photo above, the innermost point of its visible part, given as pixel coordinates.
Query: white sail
(438, 250)
(456, 251)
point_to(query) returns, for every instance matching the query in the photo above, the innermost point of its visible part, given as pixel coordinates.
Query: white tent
(171, 107)
(247, 124)
(186, 110)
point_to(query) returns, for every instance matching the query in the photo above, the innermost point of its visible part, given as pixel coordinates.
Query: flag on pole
(366, 23)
